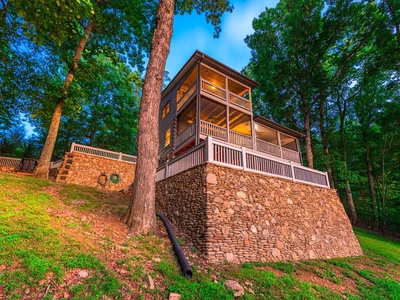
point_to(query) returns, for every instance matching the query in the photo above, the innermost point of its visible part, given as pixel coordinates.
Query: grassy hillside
(66, 242)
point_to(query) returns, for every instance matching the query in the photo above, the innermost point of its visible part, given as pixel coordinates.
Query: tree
(123, 25)
(141, 211)
(300, 50)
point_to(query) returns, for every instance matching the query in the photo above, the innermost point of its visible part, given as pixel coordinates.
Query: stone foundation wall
(183, 200)
(84, 169)
(253, 217)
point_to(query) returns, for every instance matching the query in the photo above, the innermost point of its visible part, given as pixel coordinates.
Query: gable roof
(199, 56)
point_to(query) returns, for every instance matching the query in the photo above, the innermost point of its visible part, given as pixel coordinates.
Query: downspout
(187, 271)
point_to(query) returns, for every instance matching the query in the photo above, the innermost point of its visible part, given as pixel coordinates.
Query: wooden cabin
(209, 99)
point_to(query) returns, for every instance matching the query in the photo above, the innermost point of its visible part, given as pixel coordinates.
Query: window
(167, 137)
(165, 110)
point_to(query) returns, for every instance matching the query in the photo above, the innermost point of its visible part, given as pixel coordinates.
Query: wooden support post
(244, 161)
(292, 170)
(209, 149)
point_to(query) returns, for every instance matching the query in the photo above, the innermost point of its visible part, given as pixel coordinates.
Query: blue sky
(191, 32)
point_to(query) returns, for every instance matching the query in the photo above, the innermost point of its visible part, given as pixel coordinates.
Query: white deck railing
(9, 161)
(102, 153)
(269, 148)
(189, 159)
(185, 135)
(241, 158)
(240, 139)
(210, 129)
(291, 155)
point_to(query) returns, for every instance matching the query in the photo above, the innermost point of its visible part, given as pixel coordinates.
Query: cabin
(234, 182)
(209, 100)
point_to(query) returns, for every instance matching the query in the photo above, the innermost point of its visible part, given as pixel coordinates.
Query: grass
(47, 238)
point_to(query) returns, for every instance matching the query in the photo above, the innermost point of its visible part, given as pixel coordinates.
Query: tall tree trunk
(307, 127)
(370, 180)
(349, 195)
(141, 211)
(42, 170)
(324, 142)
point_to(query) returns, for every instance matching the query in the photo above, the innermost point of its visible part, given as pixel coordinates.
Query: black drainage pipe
(187, 271)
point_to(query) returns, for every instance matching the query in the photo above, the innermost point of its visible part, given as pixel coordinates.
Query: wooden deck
(224, 154)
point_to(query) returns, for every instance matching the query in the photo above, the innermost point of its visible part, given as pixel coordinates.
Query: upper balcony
(216, 86)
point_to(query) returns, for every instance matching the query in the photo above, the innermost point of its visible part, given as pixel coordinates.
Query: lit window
(167, 137)
(165, 110)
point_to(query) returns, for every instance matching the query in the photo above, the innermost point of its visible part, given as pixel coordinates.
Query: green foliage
(336, 62)
(61, 20)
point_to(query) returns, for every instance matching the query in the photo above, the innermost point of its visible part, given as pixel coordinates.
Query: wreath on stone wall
(102, 179)
(115, 178)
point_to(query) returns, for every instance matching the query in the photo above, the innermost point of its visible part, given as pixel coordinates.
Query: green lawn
(51, 233)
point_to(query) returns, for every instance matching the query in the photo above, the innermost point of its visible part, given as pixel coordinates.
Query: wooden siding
(169, 121)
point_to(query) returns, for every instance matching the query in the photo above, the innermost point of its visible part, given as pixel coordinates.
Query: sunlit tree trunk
(307, 128)
(141, 211)
(42, 170)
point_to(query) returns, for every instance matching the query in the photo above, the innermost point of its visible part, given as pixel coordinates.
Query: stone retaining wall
(253, 217)
(85, 169)
(183, 200)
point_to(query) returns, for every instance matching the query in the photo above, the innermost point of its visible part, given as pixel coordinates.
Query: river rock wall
(239, 216)
(85, 169)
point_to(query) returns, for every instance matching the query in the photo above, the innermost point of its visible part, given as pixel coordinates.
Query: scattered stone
(253, 229)
(235, 286)
(123, 271)
(174, 296)
(150, 282)
(83, 274)
(156, 259)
